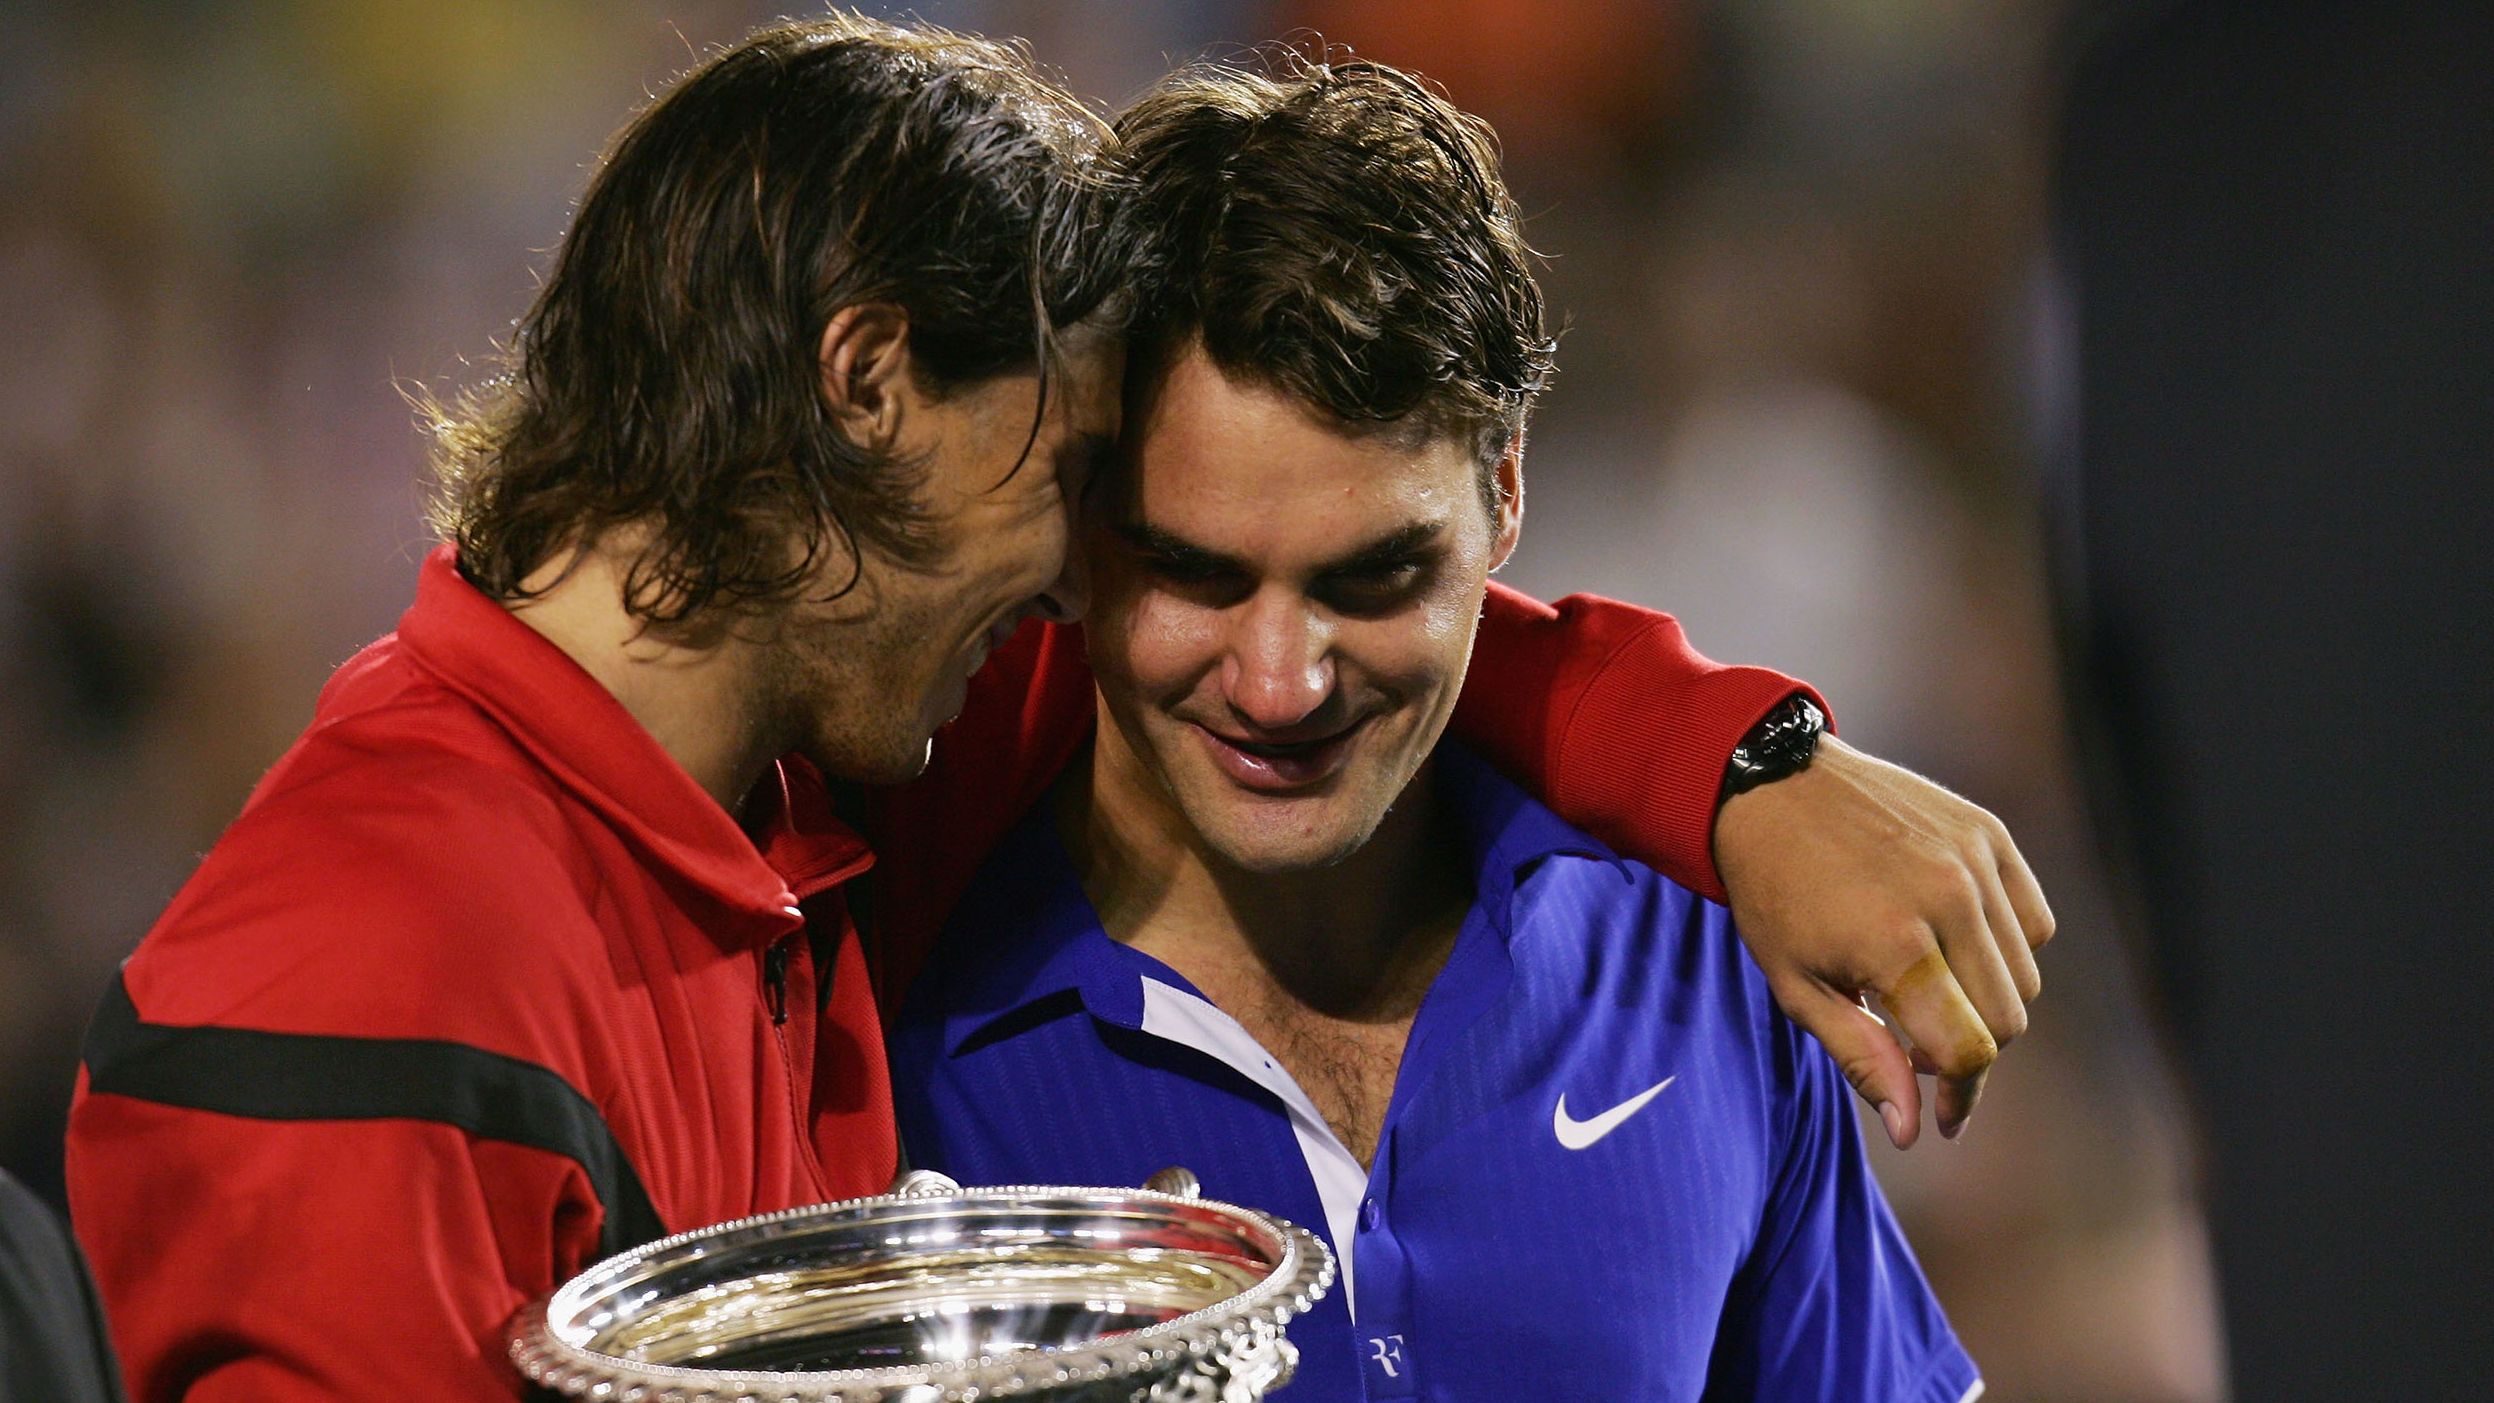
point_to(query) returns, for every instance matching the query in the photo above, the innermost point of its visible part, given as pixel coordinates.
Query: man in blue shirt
(1536, 1097)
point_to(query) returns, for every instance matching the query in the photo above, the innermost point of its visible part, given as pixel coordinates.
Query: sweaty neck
(691, 687)
(1359, 941)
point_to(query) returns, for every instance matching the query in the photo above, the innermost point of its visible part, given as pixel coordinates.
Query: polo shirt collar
(576, 730)
(1029, 934)
(1032, 933)
(1510, 832)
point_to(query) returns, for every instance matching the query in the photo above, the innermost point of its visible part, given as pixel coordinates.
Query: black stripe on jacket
(304, 1076)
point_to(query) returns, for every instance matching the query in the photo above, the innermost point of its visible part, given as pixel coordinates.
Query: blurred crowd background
(1813, 391)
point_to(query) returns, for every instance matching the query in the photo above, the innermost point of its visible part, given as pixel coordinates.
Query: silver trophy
(933, 1293)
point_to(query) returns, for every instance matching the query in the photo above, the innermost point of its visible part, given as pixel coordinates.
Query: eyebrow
(1390, 549)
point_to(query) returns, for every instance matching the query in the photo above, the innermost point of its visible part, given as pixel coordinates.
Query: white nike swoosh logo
(1577, 1134)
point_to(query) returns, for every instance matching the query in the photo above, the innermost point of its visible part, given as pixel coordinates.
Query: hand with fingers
(1853, 877)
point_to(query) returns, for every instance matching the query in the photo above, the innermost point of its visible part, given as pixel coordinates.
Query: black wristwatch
(1778, 746)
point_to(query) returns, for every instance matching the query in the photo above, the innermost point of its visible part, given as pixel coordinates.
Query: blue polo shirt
(1610, 1167)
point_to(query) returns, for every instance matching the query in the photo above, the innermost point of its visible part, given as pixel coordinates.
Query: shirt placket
(1389, 1359)
(1392, 1343)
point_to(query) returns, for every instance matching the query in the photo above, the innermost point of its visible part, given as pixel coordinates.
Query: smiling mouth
(1273, 768)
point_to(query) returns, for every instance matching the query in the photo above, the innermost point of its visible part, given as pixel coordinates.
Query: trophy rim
(1302, 1275)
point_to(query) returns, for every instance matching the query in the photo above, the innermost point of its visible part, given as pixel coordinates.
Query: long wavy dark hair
(1341, 232)
(666, 377)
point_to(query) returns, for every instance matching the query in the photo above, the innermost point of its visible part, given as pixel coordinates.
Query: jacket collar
(588, 743)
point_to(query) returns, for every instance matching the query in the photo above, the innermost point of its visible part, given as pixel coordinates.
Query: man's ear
(863, 365)
(1509, 524)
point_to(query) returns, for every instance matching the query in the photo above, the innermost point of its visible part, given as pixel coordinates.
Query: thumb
(1864, 1049)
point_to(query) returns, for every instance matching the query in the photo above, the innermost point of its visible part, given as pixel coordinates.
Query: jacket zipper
(775, 982)
(775, 997)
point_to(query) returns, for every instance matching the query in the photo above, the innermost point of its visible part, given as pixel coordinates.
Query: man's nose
(1280, 667)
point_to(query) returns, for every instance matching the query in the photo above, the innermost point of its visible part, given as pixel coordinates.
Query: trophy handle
(1246, 1368)
(922, 1183)
(1178, 1181)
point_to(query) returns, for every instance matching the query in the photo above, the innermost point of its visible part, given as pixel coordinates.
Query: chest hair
(1346, 1065)
(1348, 1070)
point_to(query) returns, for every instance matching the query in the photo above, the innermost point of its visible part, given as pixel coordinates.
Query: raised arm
(1852, 877)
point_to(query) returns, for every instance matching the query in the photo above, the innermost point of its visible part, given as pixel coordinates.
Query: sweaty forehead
(1174, 396)
(1244, 467)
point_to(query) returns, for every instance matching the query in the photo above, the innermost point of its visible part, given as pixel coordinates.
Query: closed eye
(1204, 578)
(1185, 569)
(1374, 587)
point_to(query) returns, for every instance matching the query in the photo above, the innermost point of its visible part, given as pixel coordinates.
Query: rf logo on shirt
(1388, 1354)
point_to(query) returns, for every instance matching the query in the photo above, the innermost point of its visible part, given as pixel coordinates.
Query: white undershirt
(1173, 1014)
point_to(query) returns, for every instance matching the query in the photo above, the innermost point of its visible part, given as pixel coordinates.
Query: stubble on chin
(839, 694)
(1266, 846)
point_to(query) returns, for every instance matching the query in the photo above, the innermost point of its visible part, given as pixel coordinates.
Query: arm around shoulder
(1850, 877)
(1605, 711)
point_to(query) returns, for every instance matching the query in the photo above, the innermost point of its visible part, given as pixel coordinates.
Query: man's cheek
(1447, 638)
(1167, 642)
(1121, 662)
(1408, 655)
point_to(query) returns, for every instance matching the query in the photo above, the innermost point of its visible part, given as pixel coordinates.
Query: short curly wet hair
(666, 379)
(1339, 231)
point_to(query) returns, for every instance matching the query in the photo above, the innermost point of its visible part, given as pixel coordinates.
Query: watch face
(1780, 745)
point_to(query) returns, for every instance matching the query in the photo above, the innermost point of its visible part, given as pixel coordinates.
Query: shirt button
(1368, 1215)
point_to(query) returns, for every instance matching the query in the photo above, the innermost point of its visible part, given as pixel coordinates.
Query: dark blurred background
(1821, 382)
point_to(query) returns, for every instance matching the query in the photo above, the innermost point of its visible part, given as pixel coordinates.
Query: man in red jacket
(536, 945)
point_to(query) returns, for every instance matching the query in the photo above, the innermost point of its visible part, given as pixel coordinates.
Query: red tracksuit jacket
(481, 987)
